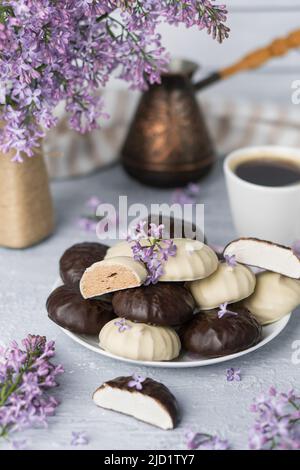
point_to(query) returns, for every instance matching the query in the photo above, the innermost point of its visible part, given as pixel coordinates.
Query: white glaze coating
(140, 341)
(274, 297)
(227, 284)
(193, 260)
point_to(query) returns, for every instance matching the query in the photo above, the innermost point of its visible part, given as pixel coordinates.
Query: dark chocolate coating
(69, 309)
(156, 390)
(165, 303)
(210, 336)
(78, 258)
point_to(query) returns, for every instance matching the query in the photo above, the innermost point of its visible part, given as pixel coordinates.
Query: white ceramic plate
(185, 359)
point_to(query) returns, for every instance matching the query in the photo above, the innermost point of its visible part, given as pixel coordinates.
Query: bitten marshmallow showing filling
(227, 284)
(274, 297)
(266, 255)
(193, 259)
(111, 275)
(152, 403)
(139, 341)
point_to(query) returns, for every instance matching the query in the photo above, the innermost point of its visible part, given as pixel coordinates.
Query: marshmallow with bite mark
(112, 274)
(266, 255)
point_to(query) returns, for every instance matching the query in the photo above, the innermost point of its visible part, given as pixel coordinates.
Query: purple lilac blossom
(79, 438)
(90, 221)
(187, 195)
(136, 381)
(230, 260)
(21, 444)
(122, 325)
(26, 376)
(93, 202)
(223, 310)
(149, 247)
(87, 224)
(233, 375)
(277, 423)
(67, 50)
(296, 248)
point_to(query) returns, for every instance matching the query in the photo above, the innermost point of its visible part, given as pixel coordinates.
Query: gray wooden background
(253, 24)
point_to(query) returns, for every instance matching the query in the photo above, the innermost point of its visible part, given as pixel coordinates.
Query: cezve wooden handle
(256, 59)
(277, 48)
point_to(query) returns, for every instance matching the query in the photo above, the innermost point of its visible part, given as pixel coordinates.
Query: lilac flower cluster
(26, 374)
(54, 50)
(149, 247)
(277, 425)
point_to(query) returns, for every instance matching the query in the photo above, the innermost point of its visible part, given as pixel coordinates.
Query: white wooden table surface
(208, 403)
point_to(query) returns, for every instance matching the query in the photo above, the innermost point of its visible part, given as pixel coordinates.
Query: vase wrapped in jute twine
(26, 211)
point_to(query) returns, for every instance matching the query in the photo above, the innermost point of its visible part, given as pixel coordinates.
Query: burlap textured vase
(26, 211)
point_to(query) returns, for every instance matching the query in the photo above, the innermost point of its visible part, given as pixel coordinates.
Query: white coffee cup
(269, 213)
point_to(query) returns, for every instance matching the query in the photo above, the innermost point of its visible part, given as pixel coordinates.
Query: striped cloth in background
(232, 123)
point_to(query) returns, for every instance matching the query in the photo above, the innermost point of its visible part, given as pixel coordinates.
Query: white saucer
(184, 360)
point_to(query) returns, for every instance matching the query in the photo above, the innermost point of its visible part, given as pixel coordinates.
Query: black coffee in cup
(269, 172)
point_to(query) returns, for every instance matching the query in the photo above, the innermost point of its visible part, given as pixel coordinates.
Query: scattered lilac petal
(230, 260)
(19, 445)
(296, 248)
(122, 325)
(186, 195)
(203, 441)
(87, 224)
(93, 202)
(79, 438)
(233, 375)
(224, 311)
(193, 440)
(136, 382)
(193, 189)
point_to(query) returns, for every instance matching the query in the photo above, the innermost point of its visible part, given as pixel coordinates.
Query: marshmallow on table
(274, 297)
(227, 284)
(112, 274)
(152, 402)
